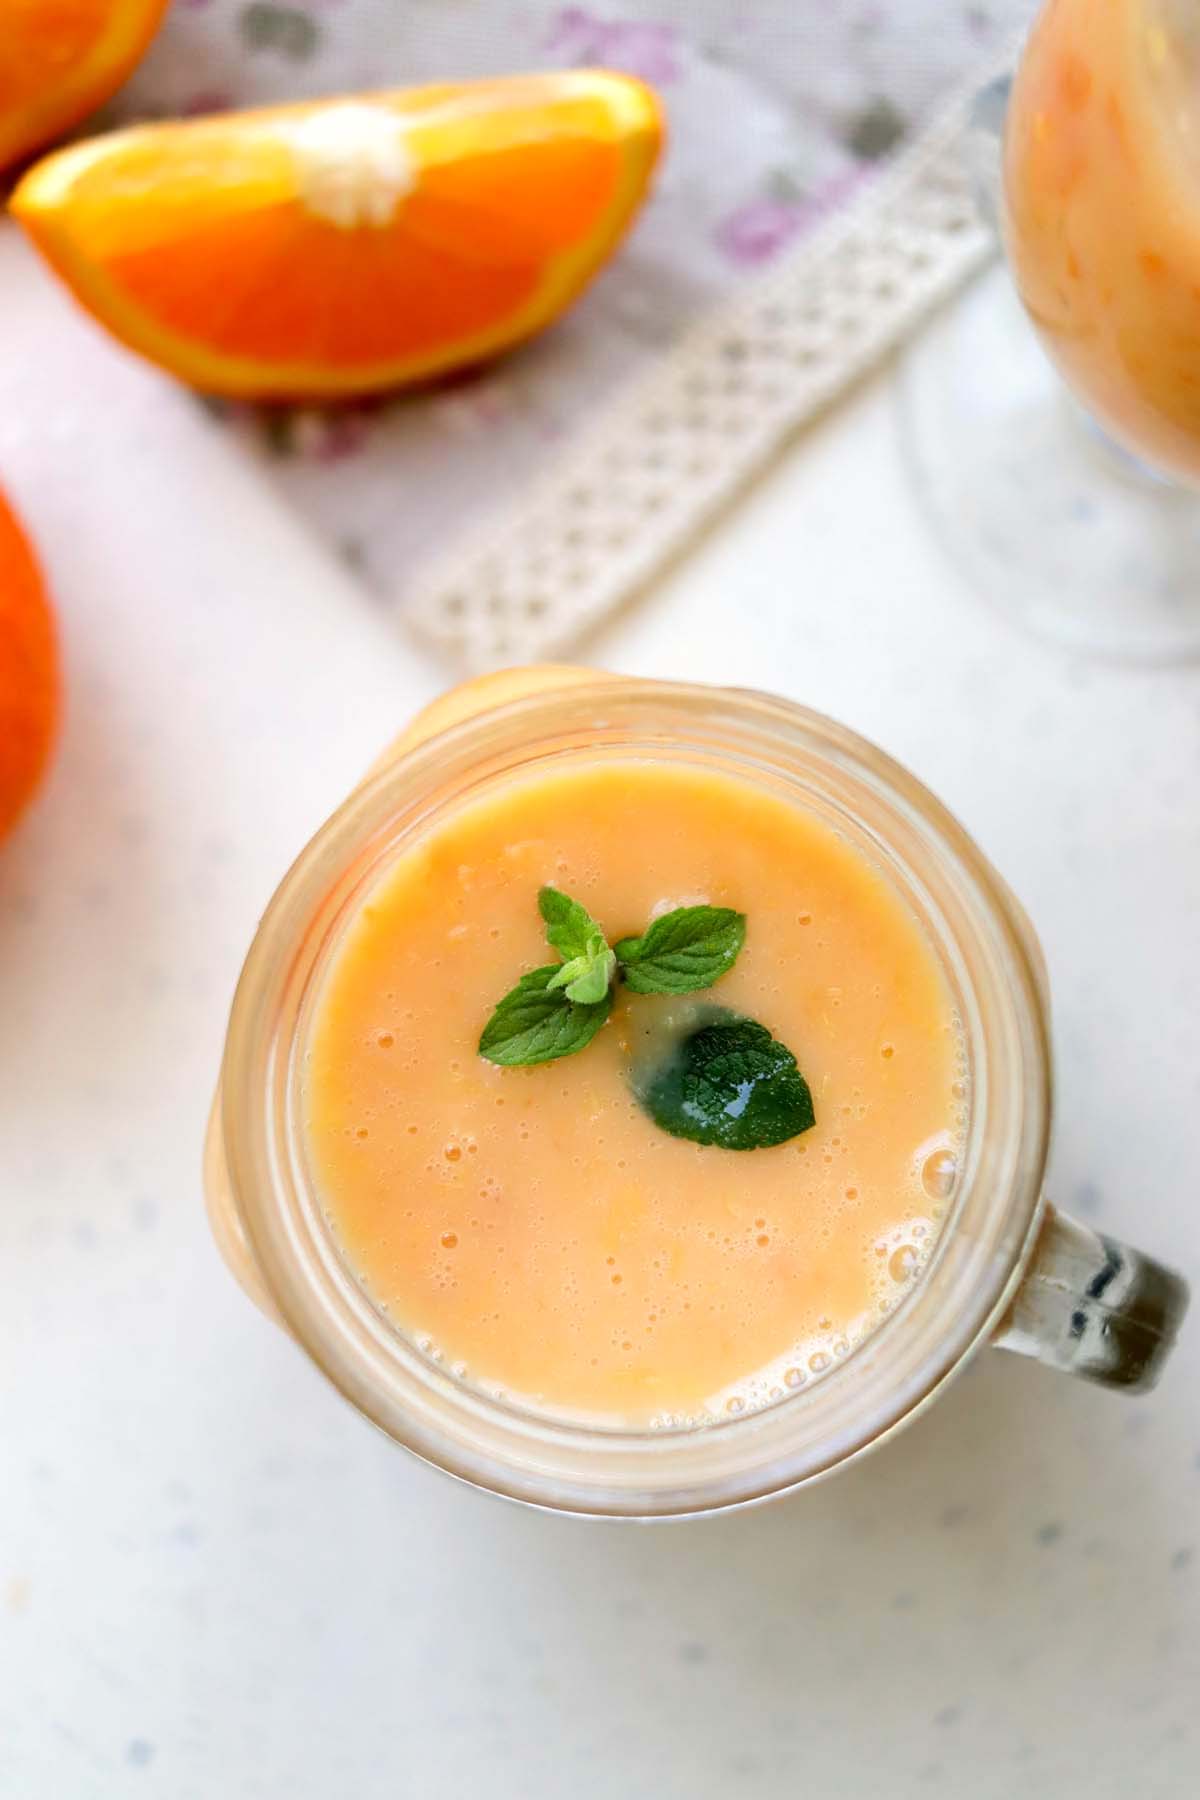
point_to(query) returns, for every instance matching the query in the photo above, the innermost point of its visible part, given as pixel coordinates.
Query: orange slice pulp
(60, 58)
(351, 244)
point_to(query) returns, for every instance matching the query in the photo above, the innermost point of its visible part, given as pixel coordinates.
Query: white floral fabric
(780, 113)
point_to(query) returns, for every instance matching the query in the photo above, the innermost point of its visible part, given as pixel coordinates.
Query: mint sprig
(587, 973)
(682, 952)
(729, 1083)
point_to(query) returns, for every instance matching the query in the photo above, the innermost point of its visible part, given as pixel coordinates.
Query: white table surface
(215, 1579)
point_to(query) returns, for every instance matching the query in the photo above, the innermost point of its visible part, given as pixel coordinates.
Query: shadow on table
(1016, 1503)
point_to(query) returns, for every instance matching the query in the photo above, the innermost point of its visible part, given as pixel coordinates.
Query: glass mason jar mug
(1008, 1269)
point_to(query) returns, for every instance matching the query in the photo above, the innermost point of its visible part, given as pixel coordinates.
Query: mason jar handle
(1093, 1307)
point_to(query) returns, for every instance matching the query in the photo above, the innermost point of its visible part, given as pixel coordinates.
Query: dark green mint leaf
(684, 951)
(731, 1084)
(570, 928)
(535, 1023)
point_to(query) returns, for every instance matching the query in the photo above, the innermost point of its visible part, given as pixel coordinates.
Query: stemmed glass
(1065, 484)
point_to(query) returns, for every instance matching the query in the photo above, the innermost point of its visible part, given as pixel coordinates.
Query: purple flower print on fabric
(758, 230)
(331, 434)
(637, 46)
(197, 106)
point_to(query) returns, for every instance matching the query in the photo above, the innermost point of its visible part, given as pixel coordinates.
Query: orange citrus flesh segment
(59, 59)
(350, 244)
(29, 689)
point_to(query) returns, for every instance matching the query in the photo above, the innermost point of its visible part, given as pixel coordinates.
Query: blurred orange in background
(59, 59)
(29, 677)
(348, 245)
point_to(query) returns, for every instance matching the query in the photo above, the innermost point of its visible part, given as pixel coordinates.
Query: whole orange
(29, 677)
(60, 58)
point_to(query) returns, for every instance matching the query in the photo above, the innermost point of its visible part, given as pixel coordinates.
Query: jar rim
(899, 1366)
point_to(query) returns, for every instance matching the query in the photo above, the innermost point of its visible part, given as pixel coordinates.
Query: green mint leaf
(570, 928)
(535, 1023)
(587, 978)
(589, 964)
(568, 972)
(595, 979)
(684, 951)
(731, 1084)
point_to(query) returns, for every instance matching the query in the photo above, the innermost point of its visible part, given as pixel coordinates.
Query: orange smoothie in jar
(535, 1227)
(1102, 181)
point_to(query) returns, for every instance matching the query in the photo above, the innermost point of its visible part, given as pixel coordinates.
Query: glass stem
(984, 148)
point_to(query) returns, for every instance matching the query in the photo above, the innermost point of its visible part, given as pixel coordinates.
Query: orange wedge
(353, 244)
(60, 58)
(29, 678)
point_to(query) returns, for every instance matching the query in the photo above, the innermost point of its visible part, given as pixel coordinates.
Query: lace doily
(636, 487)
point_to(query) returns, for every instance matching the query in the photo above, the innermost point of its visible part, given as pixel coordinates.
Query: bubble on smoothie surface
(902, 1264)
(939, 1172)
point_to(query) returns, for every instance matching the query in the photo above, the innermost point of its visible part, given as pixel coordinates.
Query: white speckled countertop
(216, 1580)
